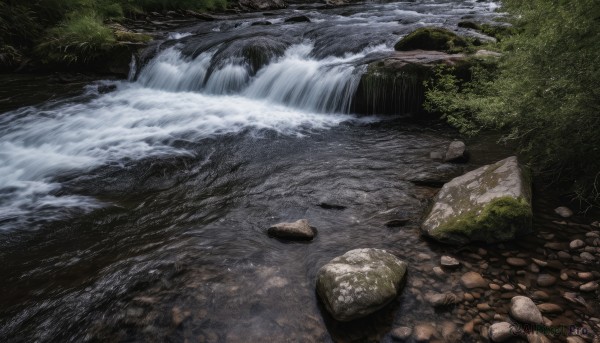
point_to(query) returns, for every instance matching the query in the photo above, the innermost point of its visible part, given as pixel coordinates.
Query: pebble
(563, 255)
(546, 280)
(484, 307)
(564, 212)
(550, 308)
(401, 333)
(575, 339)
(442, 299)
(423, 257)
(439, 272)
(450, 332)
(589, 287)
(585, 275)
(539, 262)
(468, 297)
(524, 310)
(534, 268)
(555, 246)
(500, 332)
(508, 287)
(576, 244)
(473, 280)
(494, 286)
(564, 276)
(522, 287)
(516, 262)
(586, 256)
(449, 262)
(423, 332)
(540, 295)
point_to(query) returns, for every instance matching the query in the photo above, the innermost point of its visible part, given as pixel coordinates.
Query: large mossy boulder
(489, 204)
(360, 282)
(432, 38)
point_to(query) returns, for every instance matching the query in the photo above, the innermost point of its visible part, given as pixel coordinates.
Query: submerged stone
(489, 204)
(360, 282)
(298, 230)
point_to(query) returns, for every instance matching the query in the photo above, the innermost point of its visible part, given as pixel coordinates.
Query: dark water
(141, 214)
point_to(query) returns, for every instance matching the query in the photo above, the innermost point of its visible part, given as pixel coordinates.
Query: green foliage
(79, 39)
(546, 90)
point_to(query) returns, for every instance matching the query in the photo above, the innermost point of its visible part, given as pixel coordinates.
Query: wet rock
(401, 334)
(494, 286)
(550, 308)
(442, 299)
(556, 246)
(484, 307)
(262, 4)
(439, 272)
(534, 268)
(540, 295)
(431, 38)
(508, 287)
(298, 230)
(473, 280)
(563, 211)
(258, 23)
(424, 332)
(585, 275)
(575, 339)
(501, 332)
(564, 276)
(450, 332)
(589, 287)
(546, 280)
(524, 310)
(298, 19)
(563, 255)
(536, 337)
(539, 262)
(576, 244)
(516, 262)
(586, 256)
(456, 153)
(488, 204)
(360, 282)
(449, 262)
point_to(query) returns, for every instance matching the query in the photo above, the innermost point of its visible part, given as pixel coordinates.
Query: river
(140, 214)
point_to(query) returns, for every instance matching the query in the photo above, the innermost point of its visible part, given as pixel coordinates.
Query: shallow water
(141, 214)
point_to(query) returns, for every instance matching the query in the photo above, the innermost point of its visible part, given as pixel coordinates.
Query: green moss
(469, 25)
(499, 220)
(432, 38)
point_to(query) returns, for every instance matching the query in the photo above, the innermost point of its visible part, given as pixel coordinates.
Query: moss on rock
(499, 220)
(432, 38)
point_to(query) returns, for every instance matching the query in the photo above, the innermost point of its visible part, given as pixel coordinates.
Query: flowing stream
(140, 214)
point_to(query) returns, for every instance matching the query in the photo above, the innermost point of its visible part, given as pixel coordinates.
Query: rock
(298, 19)
(589, 287)
(439, 272)
(484, 307)
(540, 295)
(534, 268)
(508, 287)
(563, 255)
(536, 337)
(586, 256)
(262, 4)
(550, 308)
(564, 212)
(424, 332)
(500, 332)
(516, 262)
(402, 333)
(442, 299)
(360, 282)
(489, 204)
(539, 262)
(450, 332)
(585, 275)
(449, 262)
(473, 280)
(431, 38)
(298, 230)
(576, 244)
(457, 153)
(494, 287)
(258, 23)
(329, 206)
(524, 310)
(546, 280)
(487, 53)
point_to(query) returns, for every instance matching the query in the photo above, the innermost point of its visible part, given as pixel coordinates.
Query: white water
(170, 101)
